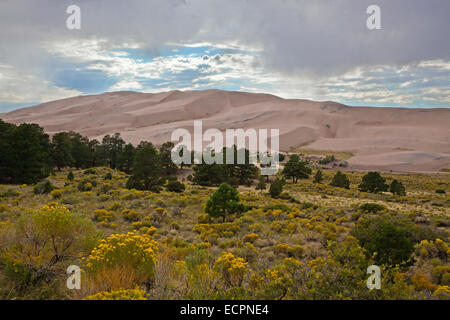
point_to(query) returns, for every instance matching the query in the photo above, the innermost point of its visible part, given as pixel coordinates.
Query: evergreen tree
(146, 172)
(261, 184)
(166, 158)
(340, 180)
(25, 153)
(318, 177)
(209, 174)
(70, 176)
(223, 202)
(93, 152)
(276, 187)
(62, 150)
(397, 188)
(127, 158)
(112, 148)
(80, 150)
(296, 169)
(32, 149)
(373, 182)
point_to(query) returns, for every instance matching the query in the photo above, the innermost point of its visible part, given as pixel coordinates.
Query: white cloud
(127, 84)
(19, 87)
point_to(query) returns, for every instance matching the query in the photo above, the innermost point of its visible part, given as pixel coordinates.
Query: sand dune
(380, 138)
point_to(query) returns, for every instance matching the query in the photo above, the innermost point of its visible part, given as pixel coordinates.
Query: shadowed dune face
(380, 138)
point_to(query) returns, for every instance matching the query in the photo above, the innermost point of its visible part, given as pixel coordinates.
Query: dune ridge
(399, 139)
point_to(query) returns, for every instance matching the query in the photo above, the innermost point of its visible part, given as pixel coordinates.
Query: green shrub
(43, 188)
(86, 185)
(391, 238)
(372, 208)
(70, 176)
(90, 171)
(175, 186)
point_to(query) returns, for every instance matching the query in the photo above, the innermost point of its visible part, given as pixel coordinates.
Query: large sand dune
(380, 138)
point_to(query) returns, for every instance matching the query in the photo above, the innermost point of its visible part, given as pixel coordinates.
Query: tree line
(30, 155)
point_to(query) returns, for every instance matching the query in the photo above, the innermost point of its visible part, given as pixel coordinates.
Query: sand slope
(381, 138)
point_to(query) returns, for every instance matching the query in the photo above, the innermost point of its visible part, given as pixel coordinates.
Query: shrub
(176, 186)
(56, 194)
(232, 268)
(372, 208)
(391, 237)
(130, 215)
(86, 185)
(440, 191)
(43, 188)
(89, 171)
(129, 252)
(70, 176)
(129, 294)
(41, 242)
(102, 215)
(251, 237)
(327, 160)
(108, 176)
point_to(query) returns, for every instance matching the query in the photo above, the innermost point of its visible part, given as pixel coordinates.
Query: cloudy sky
(309, 49)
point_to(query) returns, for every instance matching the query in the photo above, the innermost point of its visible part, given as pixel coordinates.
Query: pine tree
(127, 158)
(165, 152)
(340, 180)
(223, 202)
(261, 184)
(397, 188)
(373, 182)
(296, 169)
(276, 187)
(62, 150)
(147, 171)
(318, 177)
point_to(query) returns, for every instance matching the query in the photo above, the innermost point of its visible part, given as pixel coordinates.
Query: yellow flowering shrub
(131, 251)
(251, 237)
(40, 240)
(432, 249)
(130, 215)
(56, 194)
(115, 205)
(130, 294)
(102, 215)
(4, 207)
(442, 292)
(233, 269)
(420, 282)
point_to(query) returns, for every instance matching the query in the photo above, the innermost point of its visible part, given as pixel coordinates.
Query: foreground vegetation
(311, 240)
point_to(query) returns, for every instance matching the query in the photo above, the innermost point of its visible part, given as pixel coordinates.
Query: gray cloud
(318, 37)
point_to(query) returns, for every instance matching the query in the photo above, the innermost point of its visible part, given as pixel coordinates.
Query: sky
(305, 49)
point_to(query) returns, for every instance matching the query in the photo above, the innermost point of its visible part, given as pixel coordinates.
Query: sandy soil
(380, 138)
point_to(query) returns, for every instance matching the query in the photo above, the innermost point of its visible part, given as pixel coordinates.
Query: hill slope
(380, 138)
